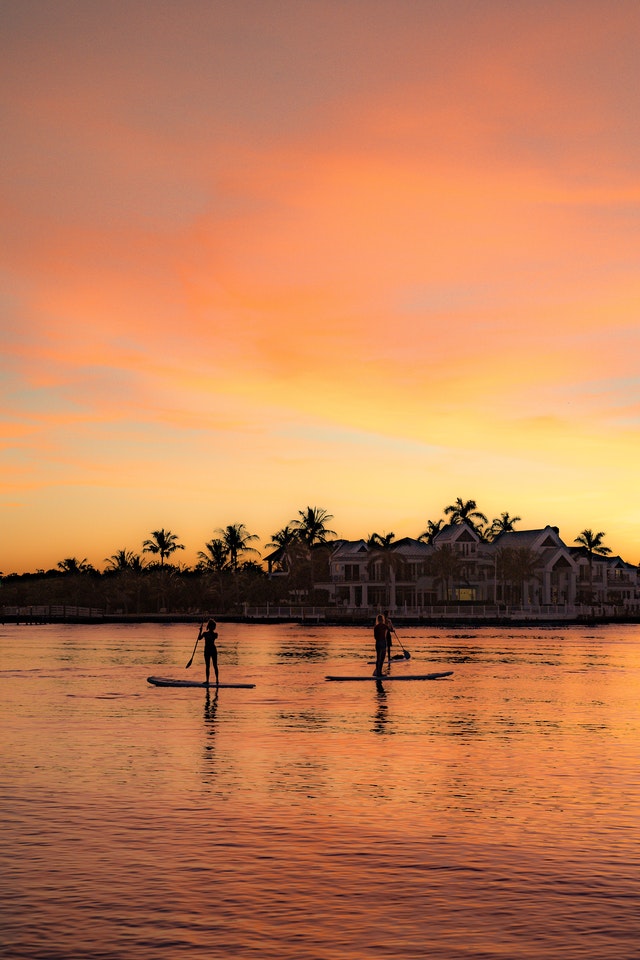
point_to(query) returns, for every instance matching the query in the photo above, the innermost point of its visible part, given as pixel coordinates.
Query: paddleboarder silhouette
(380, 637)
(210, 636)
(390, 630)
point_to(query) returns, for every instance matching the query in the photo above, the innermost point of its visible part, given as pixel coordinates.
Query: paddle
(407, 655)
(194, 649)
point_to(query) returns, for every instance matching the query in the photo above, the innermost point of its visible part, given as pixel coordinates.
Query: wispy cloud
(283, 252)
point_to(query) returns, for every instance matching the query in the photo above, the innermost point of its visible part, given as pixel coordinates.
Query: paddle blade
(407, 655)
(195, 647)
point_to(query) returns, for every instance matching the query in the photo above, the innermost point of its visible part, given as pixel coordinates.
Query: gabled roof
(276, 556)
(349, 549)
(615, 562)
(541, 539)
(546, 543)
(409, 545)
(456, 533)
(352, 550)
(619, 562)
(560, 557)
(578, 552)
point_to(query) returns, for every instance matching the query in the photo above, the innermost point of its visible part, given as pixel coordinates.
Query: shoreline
(444, 621)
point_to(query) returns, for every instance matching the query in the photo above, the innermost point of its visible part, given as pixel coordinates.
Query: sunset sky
(366, 255)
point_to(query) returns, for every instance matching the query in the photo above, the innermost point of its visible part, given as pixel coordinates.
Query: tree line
(228, 571)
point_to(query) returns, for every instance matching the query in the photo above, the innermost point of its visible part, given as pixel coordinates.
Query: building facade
(531, 570)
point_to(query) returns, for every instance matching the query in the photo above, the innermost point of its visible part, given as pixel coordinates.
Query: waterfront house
(532, 571)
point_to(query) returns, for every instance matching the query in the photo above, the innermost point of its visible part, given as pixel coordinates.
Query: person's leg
(207, 662)
(214, 657)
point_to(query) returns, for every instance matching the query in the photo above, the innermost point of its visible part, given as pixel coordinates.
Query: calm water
(490, 815)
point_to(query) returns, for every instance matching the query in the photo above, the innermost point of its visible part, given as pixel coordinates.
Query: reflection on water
(493, 814)
(381, 715)
(210, 705)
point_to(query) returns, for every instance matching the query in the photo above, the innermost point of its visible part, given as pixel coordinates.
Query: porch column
(392, 590)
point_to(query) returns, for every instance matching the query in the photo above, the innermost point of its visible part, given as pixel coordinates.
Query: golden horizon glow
(261, 256)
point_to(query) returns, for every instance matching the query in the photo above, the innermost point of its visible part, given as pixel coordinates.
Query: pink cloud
(418, 225)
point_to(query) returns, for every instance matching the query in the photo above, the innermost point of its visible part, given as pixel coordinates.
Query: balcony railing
(442, 611)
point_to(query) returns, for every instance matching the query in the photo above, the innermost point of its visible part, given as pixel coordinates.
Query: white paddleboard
(407, 676)
(169, 682)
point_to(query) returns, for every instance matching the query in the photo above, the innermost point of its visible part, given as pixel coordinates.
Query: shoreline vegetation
(460, 568)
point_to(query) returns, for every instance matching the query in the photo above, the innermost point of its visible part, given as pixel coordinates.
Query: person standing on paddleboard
(390, 630)
(210, 650)
(380, 636)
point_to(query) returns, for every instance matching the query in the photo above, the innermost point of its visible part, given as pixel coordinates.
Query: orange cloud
(392, 249)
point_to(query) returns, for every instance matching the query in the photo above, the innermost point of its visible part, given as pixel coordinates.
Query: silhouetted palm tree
(214, 556)
(433, 529)
(214, 562)
(592, 543)
(445, 565)
(283, 538)
(73, 565)
(236, 538)
(502, 524)
(290, 551)
(465, 510)
(381, 546)
(163, 542)
(517, 566)
(382, 540)
(313, 530)
(124, 570)
(122, 560)
(312, 525)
